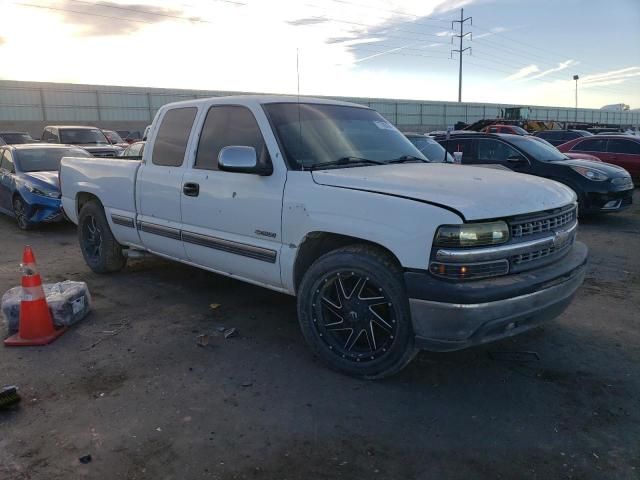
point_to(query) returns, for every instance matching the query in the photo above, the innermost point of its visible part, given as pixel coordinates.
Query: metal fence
(36, 104)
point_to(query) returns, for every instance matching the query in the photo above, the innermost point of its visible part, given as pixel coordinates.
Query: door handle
(191, 189)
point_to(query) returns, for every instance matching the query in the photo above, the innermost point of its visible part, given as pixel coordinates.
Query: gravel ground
(130, 386)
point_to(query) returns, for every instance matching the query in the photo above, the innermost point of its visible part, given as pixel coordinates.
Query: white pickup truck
(386, 252)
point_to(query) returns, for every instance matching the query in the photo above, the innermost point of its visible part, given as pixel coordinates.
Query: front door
(159, 184)
(232, 221)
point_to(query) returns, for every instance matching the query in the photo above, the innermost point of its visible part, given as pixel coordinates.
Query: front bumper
(470, 313)
(41, 209)
(611, 201)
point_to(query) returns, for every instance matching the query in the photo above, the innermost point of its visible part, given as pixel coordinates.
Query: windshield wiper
(407, 158)
(345, 161)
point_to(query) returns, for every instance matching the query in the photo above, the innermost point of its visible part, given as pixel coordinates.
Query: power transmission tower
(461, 50)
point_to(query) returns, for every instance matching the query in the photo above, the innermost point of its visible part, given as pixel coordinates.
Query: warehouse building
(29, 106)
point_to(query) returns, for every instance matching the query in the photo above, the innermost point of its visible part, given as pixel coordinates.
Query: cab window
(228, 125)
(171, 142)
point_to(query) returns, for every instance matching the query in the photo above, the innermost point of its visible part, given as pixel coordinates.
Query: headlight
(472, 234)
(591, 173)
(36, 191)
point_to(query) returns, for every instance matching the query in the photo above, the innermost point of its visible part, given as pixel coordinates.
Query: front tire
(19, 211)
(100, 249)
(354, 312)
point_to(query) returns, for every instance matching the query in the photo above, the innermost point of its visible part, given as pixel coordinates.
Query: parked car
(29, 187)
(600, 187)
(386, 252)
(135, 150)
(580, 156)
(115, 139)
(612, 133)
(558, 137)
(623, 151)
(512, 129)
(130, 136)
(431, 149)
(90, 139)
(15, 138)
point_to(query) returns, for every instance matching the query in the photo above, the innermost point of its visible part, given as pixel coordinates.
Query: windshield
(16, 138)
(45, 159)
(538, 149)
(113, 137)
(431, 149)
(82, 136)
(311, 134)
(518, 130)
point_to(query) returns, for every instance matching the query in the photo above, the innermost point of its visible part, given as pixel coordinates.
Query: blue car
(29, 186)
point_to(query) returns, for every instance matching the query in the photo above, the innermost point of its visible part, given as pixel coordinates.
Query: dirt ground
(130, 387)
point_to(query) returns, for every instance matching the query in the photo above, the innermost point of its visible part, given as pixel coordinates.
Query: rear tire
(354, 312)
(100, 249)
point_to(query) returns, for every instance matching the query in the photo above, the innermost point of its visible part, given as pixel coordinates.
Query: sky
(520, 51)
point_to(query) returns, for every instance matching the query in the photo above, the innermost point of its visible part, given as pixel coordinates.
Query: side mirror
(241, 159)
(457, 157)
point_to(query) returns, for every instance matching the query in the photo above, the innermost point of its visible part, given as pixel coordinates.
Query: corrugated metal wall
(32, 105)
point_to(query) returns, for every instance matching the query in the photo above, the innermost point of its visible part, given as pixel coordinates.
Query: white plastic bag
(69, 302)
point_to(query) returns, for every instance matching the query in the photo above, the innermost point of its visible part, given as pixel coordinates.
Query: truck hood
(476, 193)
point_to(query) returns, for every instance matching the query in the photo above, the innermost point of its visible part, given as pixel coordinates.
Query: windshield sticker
(383, 125)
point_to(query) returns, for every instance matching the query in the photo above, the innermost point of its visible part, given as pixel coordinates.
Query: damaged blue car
(29, 185)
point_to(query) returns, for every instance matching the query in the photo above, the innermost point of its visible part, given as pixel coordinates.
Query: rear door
(626, 154)
(233, 223)
(159, 184)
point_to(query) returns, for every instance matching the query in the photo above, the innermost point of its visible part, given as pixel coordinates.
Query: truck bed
(111, 180)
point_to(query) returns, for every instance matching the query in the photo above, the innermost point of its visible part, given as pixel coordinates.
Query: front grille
(524, 227)
(539, 254)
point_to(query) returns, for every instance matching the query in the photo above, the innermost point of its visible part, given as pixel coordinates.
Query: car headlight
(36, 191)
(472, 234)
(591, 173)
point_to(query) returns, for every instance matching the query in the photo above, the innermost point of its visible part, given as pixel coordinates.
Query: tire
(101, 251)
(19, 213)
(359, 290)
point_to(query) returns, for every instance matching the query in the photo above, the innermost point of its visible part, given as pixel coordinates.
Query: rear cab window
(171, 141)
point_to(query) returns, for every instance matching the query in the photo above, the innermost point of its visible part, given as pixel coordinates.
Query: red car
(621, 150)
(512, 129)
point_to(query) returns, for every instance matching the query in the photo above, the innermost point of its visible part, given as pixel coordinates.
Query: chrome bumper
(442, 326)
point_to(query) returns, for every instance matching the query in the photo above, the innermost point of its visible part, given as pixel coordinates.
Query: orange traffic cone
(36, 326)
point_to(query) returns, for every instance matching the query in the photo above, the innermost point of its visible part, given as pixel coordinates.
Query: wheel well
(316, 244)
(82, 198)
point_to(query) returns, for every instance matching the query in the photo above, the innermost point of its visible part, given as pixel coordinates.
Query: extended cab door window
(171, 142)
(228, 125)
(628, 147)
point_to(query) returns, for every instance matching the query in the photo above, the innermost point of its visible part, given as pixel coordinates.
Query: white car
(386, 252)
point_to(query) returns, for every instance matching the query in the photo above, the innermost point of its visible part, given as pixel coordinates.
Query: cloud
(2, 41)
(445, 33)
(307, 21)
(491, 32)
(111, 19)
(523, 72)
(561, 66)
(612, 75)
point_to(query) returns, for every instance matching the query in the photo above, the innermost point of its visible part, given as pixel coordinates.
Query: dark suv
(558, 137)
(601, 187)
(89, 138)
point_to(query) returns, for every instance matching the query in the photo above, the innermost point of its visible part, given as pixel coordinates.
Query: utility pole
(461, 50)
(576, 78)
